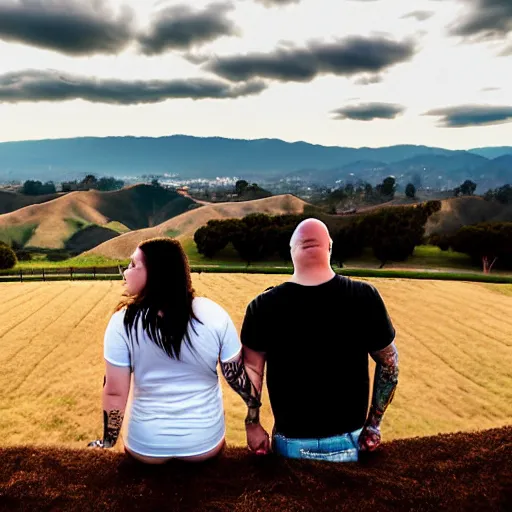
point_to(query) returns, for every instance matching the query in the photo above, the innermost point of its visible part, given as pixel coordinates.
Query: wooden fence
(56, 273)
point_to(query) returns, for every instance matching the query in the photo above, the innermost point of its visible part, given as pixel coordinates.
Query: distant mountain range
(264, 160)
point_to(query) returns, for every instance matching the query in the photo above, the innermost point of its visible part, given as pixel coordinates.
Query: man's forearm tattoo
(384, 384)
(112, 421)
(237, 378)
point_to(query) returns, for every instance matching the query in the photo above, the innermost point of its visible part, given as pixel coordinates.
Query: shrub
(22, 255)
(58, 256)
(7, 257)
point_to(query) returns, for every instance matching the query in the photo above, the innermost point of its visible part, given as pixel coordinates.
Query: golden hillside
(462, 211)
(52, 223)
(184, 226)
(11, 201)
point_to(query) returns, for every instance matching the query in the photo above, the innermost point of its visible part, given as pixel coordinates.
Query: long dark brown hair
(165, 304)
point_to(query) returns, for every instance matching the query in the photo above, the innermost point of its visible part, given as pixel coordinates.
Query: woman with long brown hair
(172, 342)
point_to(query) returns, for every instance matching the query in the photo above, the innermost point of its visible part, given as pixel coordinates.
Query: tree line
(487, 243)
(103, 184)
(392, 233)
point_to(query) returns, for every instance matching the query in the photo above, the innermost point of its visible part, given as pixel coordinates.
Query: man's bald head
(311, 244)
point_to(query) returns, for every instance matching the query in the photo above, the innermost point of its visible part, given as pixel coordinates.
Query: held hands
(96, 444)
(258, 440)
(370, 438)
(99, 443)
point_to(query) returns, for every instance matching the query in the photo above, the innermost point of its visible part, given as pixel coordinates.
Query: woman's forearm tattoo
(237, 378)
(384, 384)
(112, 421)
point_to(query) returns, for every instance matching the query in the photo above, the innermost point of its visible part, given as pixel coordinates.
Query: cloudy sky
(332, 72)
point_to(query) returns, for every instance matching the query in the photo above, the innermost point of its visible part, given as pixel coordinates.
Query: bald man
(314, 333)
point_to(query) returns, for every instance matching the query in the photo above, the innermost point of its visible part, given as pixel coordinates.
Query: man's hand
(258, 440)
(369, 439)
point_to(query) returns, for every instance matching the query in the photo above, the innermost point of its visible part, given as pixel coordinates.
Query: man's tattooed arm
(236, 376)
(384, 385)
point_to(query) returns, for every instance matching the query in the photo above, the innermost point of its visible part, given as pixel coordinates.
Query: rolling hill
(10, 201)
(184, 226)
(55, 224)
(454, 213)
(462, 211)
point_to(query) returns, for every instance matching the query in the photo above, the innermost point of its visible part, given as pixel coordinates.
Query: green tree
(387, 187)
(393, 233)
(106, 184)
(466, 189)
(502, 194)
(7, 257)
(240, 187)
(410, 191)
(213, 237)
(348, 243)
(440, 240)
(256, 237)
(487, 242)
(90, 181)
(36, 188)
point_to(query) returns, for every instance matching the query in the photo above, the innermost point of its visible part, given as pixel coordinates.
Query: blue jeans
(342, 448)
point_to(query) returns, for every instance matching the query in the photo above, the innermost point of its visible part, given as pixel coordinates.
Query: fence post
(94, 272)
(21, 275)
(71, 272)
(44, 278)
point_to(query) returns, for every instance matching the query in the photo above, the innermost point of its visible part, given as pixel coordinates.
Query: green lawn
(427, 263)
(19, 234)
(76, 262)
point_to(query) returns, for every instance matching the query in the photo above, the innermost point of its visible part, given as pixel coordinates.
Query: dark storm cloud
(369, 111)
(35, 85)
(485, 19)
(347, 57)
(472, 115)
(419, 15)
(180, 27)
(73, 27)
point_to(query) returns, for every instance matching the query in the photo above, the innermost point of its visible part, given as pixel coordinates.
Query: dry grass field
(454, 340)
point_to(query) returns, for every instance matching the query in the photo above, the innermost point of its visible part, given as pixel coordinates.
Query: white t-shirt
(177, 407)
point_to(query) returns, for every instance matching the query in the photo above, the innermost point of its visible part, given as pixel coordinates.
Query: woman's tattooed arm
(236, 376)
(384, 385)
(112, 422)
(116, 386)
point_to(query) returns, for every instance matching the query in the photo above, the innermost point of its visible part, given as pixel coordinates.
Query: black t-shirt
(317, 340)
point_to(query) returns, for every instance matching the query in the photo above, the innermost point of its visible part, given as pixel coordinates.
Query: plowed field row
(455, 343)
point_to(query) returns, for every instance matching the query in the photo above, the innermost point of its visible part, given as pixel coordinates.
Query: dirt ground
(456, 472)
